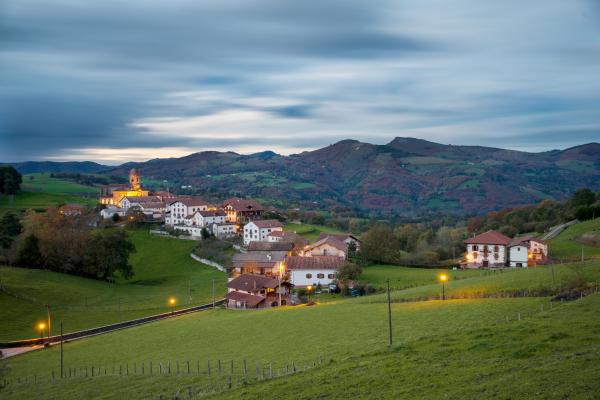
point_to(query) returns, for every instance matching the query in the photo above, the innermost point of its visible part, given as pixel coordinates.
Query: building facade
(257, 231)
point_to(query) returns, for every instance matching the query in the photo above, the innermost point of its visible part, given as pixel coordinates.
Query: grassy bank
(566, 245)
(162, 267)
(309, 231)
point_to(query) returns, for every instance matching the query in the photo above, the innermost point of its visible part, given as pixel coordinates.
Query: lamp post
(443, 278)
(281, 268)
(309, 288)
(172, 303)
(41, 327)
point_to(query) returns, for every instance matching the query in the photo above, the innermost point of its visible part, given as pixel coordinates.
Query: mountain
(29, 167)
(409, 177)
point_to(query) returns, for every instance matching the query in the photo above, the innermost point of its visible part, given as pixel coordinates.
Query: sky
(129, 80)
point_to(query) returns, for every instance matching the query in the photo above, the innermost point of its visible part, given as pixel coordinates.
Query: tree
(10, 180)
(115, 217)
(380, 245)
(348, 272)
(205, 233)
(583, 197)
(107, 253)
(10, 228)
(29, 255)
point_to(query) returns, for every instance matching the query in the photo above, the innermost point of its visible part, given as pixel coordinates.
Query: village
(271, 261)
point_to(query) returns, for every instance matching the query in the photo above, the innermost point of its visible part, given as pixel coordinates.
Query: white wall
(518, 255)
(326, 250)
(476, 257)
(298, 276)
(253, 233)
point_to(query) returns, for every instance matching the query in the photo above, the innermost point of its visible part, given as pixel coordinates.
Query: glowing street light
(41, 327)
(172, 302)
(281, 269)
(443, 278)
(309, 288)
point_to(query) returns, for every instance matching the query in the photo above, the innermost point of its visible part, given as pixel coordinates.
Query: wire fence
(203, 377)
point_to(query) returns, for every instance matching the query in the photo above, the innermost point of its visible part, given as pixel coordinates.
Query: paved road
(15, 351)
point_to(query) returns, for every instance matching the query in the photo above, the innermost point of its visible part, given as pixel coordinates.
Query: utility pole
(62, 374)
(389, 313)
(48, 309)
(213, 291)
(189, 292)
(582, 254)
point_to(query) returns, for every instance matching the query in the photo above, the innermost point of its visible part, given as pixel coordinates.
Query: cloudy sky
(120, 80)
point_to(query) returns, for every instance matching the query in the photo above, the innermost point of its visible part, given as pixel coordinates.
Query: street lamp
(309, 288)
(172, 302)
(41, 327)
(443, 278)
(281, 268)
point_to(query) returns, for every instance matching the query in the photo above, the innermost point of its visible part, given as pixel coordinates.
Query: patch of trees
(86, 179)
(10, 180)
(583, 205)
(219, 251)
(411, 244)
(70, 244)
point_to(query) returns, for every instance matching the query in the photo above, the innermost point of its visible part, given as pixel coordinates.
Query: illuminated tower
(134, 180)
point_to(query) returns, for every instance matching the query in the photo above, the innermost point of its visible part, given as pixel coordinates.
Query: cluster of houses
(495, 250)
(276, 260)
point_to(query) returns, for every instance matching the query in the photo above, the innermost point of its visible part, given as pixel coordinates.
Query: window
(496, 249)
(331, 276)
(475, 247)
(320, 276)
(308, 276)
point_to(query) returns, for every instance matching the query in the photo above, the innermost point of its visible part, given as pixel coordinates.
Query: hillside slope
(409, 177)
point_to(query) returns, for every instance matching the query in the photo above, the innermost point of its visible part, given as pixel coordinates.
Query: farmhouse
(527, 251)
(269, 263)
(304, 271)
(241, 211)
(180, 209)
(347, 238)
(223, 230)
(71, 210)
(256, 291)
(127, 202)
(271, 246)
(328, 246)
(487, 250)
(257, 231)
(206, 218)
(110, 211)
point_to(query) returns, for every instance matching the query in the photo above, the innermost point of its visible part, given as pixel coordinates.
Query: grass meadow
(309, 231)
(162, 267)
(566, 245)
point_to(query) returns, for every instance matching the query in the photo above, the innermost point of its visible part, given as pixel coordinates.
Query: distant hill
(29, 167)
(408, 176)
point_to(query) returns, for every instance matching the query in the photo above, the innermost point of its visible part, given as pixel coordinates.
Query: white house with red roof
(304, 271)
(178, 210)
(257, 231)
(527, 251)
(487, 250)
(328, 246)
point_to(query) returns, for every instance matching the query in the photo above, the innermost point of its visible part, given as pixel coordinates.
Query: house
(328, 246)
(304, 271)
(256, 291)
(206, 218)
(110, 211)
(268, 263)
(127, 202)
(241, 211)
(178, 210)
(71, 210)
(527, 251)
(489, 249)
(153, 209)
(223, 230)
(258, 230)
(347, 238)
(299, 242)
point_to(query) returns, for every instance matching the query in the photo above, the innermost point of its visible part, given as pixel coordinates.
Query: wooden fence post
(188, 364)
(208, 367)
(270, 370)
(245, 369)
(219, 366)
(150, 367)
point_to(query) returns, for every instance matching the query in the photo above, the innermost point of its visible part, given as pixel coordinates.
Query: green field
(405, 277)
(566, 246)
(309, 231)
(462, 348)
(162, 268)
(43, 191)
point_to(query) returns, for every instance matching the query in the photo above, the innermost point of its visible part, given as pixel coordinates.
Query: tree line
(10, 180)
(67, 244)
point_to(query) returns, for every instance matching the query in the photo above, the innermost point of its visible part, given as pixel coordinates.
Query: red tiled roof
(190, 201)
(252, 283)
(489, 237)
(318, 262)
(249, 299)
(276, 234)
(218, 213)
(330, 240)
(268, 223)
(522, 240)
(141, 199)
(270, 246)
(340, 237)
(243, 205)
(268, 257)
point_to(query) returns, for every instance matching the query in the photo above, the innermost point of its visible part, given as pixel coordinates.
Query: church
(112, 194)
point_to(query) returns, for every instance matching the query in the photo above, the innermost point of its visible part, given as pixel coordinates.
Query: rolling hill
(408, 177)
